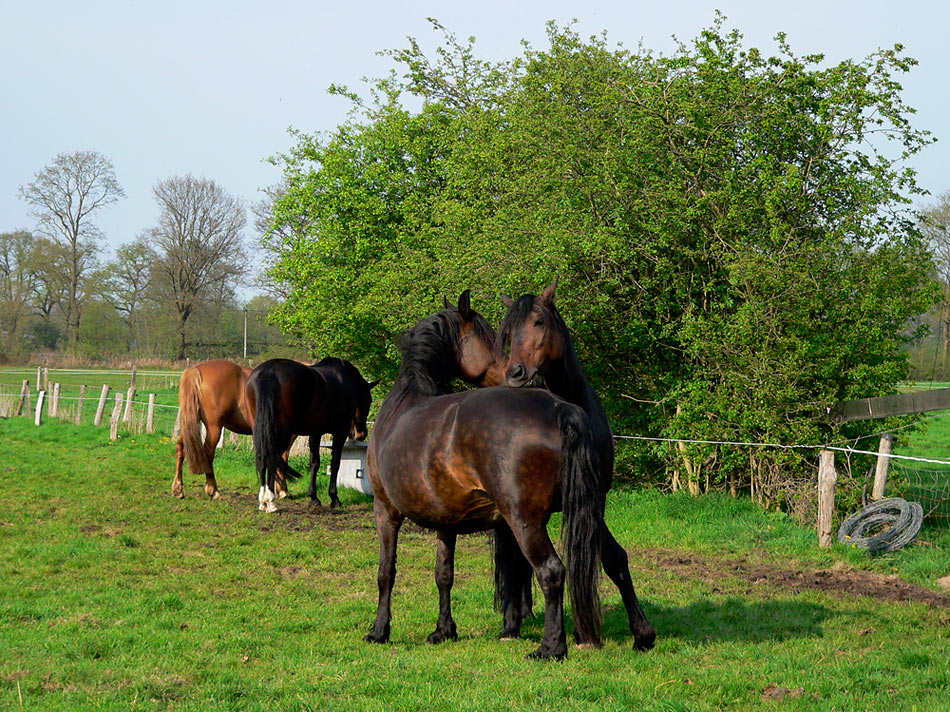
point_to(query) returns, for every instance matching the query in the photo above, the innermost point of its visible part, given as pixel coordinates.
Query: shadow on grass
(732, 619)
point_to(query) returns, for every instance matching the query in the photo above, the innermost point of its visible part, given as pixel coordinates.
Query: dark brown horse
(540, 352)
(210, 393)
(483, 459)
(286, 398)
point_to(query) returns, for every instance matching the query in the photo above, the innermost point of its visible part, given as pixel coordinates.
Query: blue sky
(211, 87)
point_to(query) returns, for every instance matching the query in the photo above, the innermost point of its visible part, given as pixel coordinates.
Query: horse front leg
(444, 578)
(512, 582)
(615, 562)
(336, 454)
(388, 521)
(314, 467)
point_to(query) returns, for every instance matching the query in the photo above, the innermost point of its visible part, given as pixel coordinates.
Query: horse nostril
(516, 374)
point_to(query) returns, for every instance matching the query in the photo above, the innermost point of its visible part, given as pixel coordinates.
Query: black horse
(537, 347)
(286, 398)
(483, 459)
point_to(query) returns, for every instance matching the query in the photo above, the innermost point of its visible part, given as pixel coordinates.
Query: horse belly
(436, 493)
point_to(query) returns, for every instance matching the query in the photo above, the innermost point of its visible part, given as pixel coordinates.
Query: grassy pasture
(116, 596)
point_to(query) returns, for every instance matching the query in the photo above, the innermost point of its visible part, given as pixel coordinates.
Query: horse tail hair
(268, 450)
(189, 406)
(583, 520)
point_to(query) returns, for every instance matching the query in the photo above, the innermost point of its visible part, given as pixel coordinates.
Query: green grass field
(117, 596)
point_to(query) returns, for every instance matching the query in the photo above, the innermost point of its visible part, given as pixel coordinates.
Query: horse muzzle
(518, 376)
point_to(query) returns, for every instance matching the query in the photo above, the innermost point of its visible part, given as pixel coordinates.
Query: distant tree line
(170, 293)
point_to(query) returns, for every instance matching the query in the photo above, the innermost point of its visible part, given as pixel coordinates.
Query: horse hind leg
(211, 444)
(177, 486)
(539, 551)
(444, 578)
(615, 563)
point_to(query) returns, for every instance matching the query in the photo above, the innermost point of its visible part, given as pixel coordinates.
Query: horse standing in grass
(210, 393)
(540, 352)
(483, 459)
(286, 398)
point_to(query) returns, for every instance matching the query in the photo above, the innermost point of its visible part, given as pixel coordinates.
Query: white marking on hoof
(270, 507)
(268, 495)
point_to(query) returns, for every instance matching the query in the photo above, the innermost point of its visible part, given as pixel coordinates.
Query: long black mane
(429, 355)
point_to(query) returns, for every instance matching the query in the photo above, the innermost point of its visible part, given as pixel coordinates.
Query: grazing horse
(212, 393)
(286, 398)
(482, 459)
(541, 353)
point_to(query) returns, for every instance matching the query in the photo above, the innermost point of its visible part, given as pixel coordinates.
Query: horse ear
(507, 301)
(465, 304)
(371, 384)
(547, 296)
(446, 304)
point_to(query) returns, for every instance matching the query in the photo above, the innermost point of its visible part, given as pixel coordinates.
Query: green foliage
(731, 231)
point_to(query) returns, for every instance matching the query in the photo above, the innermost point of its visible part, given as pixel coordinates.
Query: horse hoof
(373, 638)
(215, 495)
(438, 636)
(645, 641)
(542, 654)
(270, 507)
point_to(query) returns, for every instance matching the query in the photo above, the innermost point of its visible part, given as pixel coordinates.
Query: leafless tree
(17, 283)
(198, 242)
(63, 196)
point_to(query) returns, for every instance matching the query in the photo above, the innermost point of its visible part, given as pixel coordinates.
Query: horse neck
(568, 381)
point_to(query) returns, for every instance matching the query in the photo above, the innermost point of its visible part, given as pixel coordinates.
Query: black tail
(268, 443)
(583, 519)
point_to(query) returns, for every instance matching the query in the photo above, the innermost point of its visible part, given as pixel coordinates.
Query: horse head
(532, 338)
(475, 356)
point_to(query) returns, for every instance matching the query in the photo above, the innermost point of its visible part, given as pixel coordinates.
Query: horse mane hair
(428, 354)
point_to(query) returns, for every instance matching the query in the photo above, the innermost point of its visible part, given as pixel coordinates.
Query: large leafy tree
(732, 232)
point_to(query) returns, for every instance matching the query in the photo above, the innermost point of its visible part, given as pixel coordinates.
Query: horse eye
(539, 322)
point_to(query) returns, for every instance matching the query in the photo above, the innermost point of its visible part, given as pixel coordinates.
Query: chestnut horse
(286, 398)
(483, 459)
(540, 352)
(212, 393)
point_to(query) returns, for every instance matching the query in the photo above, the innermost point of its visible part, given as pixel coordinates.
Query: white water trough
(352, 472)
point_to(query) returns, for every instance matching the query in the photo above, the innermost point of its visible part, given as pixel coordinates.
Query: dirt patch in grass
(299, 514)
(840, 579)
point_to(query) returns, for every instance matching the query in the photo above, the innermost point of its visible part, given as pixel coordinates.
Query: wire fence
(84, 394)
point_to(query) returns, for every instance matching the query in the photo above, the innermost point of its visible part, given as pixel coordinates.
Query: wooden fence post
(39, 378)
(46, 378)
(883, 463)
(130, 399)
(24, 396)
(827, 477)
(54, 403)
(150, 416)
(116, 416)
(102, 404)
(40, 397)
(82, 394)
